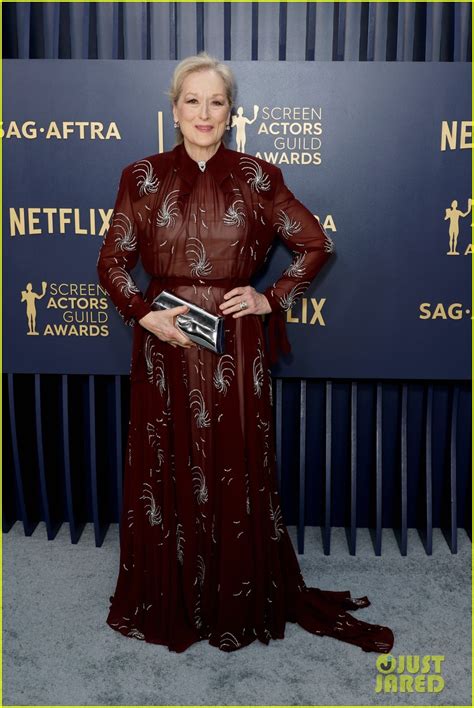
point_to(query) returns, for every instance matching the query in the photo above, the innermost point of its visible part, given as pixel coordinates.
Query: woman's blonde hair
(200, 62)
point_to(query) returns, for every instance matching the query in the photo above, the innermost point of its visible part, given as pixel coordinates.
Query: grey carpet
(59, 651)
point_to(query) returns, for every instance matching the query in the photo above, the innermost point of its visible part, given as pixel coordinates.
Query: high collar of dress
(219, 164)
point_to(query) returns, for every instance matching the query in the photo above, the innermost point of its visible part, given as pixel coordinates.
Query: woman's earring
(176, 124)
(227, 126)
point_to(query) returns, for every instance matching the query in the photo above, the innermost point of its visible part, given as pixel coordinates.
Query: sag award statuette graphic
(452, 215)
(240, 122)
(30, 297)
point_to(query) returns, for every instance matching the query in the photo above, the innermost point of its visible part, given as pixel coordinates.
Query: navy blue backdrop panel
(379, 152)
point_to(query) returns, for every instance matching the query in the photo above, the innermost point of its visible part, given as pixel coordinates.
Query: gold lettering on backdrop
(62, 303)
(296, 113)
(292, 158)
(285, 128)
(297, 143)
(50, 221)
(79, 289)
(33, 220)
(73, 331)
(316, 312)
(456, 135)
(328, 223)
(440, 310)
(25, 130)
(84, 130)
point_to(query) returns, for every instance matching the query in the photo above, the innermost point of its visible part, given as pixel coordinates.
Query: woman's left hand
(257, 302)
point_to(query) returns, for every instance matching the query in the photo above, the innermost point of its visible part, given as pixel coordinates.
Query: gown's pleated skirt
(204, 552)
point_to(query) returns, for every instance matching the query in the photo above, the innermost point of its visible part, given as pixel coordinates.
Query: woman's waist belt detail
(172, 280)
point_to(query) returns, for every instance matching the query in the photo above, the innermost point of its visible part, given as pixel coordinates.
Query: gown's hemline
(310, 608)
(212, 641)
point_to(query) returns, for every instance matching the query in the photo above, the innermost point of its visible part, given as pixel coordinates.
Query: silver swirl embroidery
(243, 590)
(155, 368)
(179, 542)
(267, 252)
(258, 179)
(199, 484)
(198, 407)
(199, 581)
(228, 641)
(147, 181)
(197, 614)
(201, 571)
(265, 426)
(154, 441)
(153, 511)
(124, 281)
(199, 264)
(296, 269)
(125, 239)
(224, 373)
(166, 215)
(258, 373)
(287, 226)
(276, 518)
(235, 215)
(328, 243)
(212, 529)
(288, 300)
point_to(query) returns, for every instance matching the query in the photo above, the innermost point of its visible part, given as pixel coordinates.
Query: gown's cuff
(277, 336)
(138, 308)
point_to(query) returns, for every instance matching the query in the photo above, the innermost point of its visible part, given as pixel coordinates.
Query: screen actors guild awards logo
(70, 310)
(285, 135)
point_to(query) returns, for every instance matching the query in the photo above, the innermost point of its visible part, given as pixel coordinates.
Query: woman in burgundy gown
(204, 551)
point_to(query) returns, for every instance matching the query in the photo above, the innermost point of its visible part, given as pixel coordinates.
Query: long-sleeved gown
(204, 551)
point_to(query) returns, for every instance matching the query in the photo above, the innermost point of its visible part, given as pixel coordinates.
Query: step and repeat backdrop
(379, 152)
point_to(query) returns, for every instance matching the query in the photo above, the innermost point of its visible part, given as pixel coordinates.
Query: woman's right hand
(161, 324)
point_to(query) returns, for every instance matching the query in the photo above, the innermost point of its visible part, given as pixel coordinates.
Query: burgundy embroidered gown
(204, 552)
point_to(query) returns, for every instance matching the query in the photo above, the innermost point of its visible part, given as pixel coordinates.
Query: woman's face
(202, 110)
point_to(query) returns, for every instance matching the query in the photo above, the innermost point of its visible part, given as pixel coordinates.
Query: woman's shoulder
(155, 163)
(144, 175)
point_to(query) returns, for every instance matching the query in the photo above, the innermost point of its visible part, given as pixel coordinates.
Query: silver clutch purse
(198, 324)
